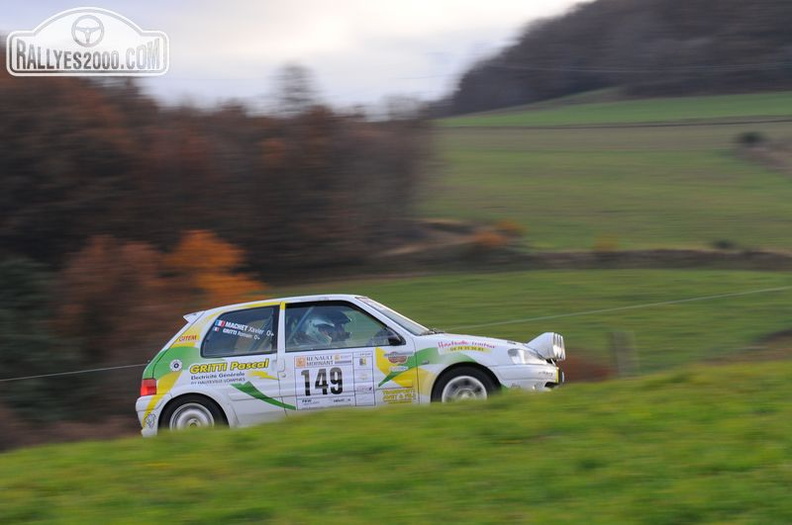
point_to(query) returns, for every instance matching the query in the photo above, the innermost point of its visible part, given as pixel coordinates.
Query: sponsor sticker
(208, 368)
(465, 346)
(398, 396)
(397, 358)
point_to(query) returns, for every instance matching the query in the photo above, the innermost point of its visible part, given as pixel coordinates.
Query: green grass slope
(697, 445)
(587, 306)
(661, 110)
(631, 188)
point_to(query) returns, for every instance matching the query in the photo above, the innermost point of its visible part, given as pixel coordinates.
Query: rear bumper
(148, 410)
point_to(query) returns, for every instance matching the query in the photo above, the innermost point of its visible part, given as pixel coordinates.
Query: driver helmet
(321, 329)
(327, 327)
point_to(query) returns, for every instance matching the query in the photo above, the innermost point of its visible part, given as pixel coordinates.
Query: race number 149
(324, 382)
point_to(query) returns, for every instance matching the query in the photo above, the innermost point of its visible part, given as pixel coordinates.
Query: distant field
(756, 106)
(632, 188)
(511, 305)
(700, 445)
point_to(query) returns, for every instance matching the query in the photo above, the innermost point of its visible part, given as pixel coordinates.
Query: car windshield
(406, 323)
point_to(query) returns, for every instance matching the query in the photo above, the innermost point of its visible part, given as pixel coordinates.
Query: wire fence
(464, 327)
(71, 373)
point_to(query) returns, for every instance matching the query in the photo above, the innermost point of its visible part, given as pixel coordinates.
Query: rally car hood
(549, 345)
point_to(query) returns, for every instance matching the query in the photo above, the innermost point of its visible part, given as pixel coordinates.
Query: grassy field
(694, 444)
(588, 306)
(678, 186)
(691, 440)
(661, 110)
(700, 445)
(632, 188)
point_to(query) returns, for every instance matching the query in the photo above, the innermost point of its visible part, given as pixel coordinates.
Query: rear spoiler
(190, 318)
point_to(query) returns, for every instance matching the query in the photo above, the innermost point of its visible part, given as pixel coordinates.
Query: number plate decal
(327, 380)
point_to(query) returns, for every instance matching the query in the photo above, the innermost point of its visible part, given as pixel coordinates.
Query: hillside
(734, 323)
(644, 47)
(578, 187)
(671, 173)
(571, 112)
(694, 445)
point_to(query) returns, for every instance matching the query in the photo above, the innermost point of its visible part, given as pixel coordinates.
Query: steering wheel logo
(88, 31)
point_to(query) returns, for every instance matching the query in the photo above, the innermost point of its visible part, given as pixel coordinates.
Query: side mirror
(386, 337)
(394, 339)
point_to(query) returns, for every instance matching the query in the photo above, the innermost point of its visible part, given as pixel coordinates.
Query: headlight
(517, 356)
(549, 345)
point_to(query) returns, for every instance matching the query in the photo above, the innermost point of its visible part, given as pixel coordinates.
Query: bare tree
(296, 90)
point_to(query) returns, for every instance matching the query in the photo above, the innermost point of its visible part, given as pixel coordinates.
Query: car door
(243, 346)
(333, 358)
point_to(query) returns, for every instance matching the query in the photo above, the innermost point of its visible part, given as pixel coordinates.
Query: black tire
(192, 411)
(462, 383)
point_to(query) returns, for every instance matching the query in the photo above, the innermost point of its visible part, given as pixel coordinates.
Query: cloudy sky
(359, 50)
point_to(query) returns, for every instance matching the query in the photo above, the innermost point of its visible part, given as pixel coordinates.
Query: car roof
(275, 300)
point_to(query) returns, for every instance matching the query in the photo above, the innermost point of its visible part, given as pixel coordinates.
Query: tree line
(81, 159)
(644, 47)
(120, 214)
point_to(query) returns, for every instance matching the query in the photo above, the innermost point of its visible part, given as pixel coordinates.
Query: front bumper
(534, 377)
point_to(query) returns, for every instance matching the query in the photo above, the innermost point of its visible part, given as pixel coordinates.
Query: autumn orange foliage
(111, 296)
(208, 266)
(118, 296)
(119, 301)
(489, 240)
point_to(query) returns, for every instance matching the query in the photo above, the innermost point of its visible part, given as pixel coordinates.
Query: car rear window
(243, 332)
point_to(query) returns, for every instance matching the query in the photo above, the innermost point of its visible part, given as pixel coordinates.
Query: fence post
(623, 351)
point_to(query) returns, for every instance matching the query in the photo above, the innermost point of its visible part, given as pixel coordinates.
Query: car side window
(331, 326)
(251, 331)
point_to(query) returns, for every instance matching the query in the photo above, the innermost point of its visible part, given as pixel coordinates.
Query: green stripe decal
(252, 391)
(429, 356)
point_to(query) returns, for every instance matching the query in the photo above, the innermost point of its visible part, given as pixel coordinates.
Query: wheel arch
(179, 398)
(456, 366)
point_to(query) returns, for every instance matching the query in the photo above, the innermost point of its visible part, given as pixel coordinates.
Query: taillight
(148, 387)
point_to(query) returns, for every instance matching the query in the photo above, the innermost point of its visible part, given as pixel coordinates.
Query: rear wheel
(192, 412)
(463, 383)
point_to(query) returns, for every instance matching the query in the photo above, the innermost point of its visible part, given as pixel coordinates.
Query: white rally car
(248, 363)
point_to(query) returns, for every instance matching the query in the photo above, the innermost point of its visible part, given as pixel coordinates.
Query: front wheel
(192, 412)
(462, 384)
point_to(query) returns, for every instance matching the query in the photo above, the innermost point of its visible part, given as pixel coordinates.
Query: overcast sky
(359, 50)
